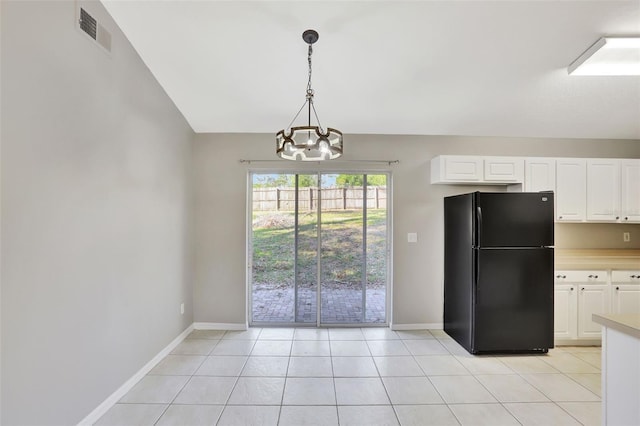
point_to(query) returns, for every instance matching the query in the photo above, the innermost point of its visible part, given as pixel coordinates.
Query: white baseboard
(95, 415)
(421, 326)
(578, 342)
(219, 326)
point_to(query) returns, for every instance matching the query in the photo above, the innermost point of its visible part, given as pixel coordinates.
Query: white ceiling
(484, 68)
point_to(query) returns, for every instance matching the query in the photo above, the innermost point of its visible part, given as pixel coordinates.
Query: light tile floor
(369, 376)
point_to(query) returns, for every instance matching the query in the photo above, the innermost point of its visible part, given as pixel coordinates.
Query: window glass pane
(342, 249)
(376, 289)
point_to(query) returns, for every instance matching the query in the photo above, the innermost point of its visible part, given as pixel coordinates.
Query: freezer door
(513, 309)
(508, 219)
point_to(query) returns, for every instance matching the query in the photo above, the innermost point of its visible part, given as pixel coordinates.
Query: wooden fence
(274, 199)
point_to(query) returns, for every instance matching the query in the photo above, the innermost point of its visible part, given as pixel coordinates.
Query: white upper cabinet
(540, 174)
(467, 169)
(571, 189)
(630, 191)
(456, 169)
(503, 169)
(603, 190)
(586, 190)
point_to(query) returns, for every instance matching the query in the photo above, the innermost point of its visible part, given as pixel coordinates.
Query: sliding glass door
(318, 237)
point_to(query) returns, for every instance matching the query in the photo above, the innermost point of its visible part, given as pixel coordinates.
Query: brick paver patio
(339, 305)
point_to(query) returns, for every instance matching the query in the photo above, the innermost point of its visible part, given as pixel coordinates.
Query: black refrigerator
(498, 271)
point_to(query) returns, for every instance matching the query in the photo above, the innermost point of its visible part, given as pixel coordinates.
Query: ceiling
(482, 68)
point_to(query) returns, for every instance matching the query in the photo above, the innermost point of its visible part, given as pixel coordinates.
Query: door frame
(249, 246)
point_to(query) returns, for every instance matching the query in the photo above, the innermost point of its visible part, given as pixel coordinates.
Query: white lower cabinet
(592, 299)
(579, 295)
(565, 312)
(625, 292)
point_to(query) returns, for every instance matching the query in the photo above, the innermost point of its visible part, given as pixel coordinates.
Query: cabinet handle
(626, 218)
(582, 288)
(593, 276)
(571, 288)
(617, 217)
(617, 288)
(559, 217)
(563, 276)
(634, 276)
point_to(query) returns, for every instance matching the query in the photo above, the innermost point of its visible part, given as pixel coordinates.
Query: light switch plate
(412, 237)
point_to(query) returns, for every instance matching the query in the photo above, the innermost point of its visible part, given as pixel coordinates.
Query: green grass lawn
(273, 248)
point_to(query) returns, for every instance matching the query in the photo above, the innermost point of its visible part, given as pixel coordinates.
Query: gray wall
(95, 173)
(220, 258)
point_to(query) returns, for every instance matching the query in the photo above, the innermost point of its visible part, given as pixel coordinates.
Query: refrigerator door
(513, 309)
(514, 219)
(458, 268)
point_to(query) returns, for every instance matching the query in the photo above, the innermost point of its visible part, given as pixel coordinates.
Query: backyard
(341, 266)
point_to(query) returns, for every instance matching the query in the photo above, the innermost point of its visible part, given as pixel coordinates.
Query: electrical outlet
(182, 309)
(626, 237)
(412, 237)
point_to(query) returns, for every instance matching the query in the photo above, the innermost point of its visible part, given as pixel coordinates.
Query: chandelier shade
(309, 143)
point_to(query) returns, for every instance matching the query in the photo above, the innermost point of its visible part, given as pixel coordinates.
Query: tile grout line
(237, 378)
(187, 382)
(434, 386)
(286, 378)
(551, 400)
(580, 384)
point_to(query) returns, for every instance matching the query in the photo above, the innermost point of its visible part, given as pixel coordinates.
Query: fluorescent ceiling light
(609, 56)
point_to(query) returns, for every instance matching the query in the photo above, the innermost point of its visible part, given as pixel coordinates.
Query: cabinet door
(630, 190)
(603, 190)
(503, 169)
(592, 299)
(565, 311)
(626, 299)
(540, 174)
(571, 189)
(462, 168)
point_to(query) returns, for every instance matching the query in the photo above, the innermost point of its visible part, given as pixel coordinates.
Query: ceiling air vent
(89, 25)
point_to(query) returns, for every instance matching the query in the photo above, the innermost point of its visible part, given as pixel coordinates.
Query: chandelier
(309, 143)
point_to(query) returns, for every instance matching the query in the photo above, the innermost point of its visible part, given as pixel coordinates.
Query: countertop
(624, 323)
(616, 259)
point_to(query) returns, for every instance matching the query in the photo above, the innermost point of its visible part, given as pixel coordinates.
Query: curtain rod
(388, 162)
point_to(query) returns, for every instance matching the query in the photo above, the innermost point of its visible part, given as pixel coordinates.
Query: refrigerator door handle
(476, 278)
(479, 228)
